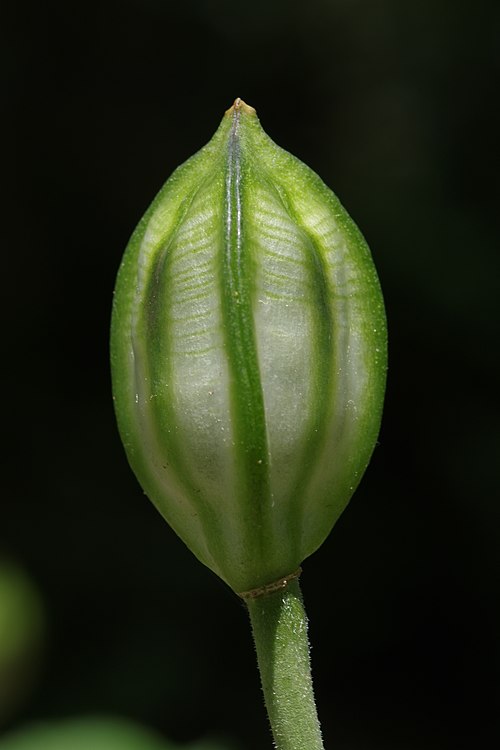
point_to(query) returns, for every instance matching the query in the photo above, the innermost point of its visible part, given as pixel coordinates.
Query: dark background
(394, 104)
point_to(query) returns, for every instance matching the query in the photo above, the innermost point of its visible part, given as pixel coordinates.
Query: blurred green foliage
(93, 734)
(22, 623)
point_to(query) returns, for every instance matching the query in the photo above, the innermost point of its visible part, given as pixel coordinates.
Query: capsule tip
(240, 106)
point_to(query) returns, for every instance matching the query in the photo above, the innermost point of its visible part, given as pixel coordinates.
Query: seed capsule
(248, 355)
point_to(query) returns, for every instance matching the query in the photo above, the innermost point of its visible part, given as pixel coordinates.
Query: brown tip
(240, 106)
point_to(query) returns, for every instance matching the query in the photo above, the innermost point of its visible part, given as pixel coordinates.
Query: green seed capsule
(248, 355)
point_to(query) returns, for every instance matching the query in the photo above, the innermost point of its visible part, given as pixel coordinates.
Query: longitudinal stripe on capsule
(246, 389)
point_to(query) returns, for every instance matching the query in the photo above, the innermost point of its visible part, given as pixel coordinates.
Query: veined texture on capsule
(248, 354)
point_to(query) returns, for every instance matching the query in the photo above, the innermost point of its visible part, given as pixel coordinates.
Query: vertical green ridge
(247, 399)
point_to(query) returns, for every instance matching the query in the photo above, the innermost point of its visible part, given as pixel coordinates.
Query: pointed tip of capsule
(240, 106)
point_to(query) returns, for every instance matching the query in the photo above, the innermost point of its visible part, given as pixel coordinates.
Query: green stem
(279, 625)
